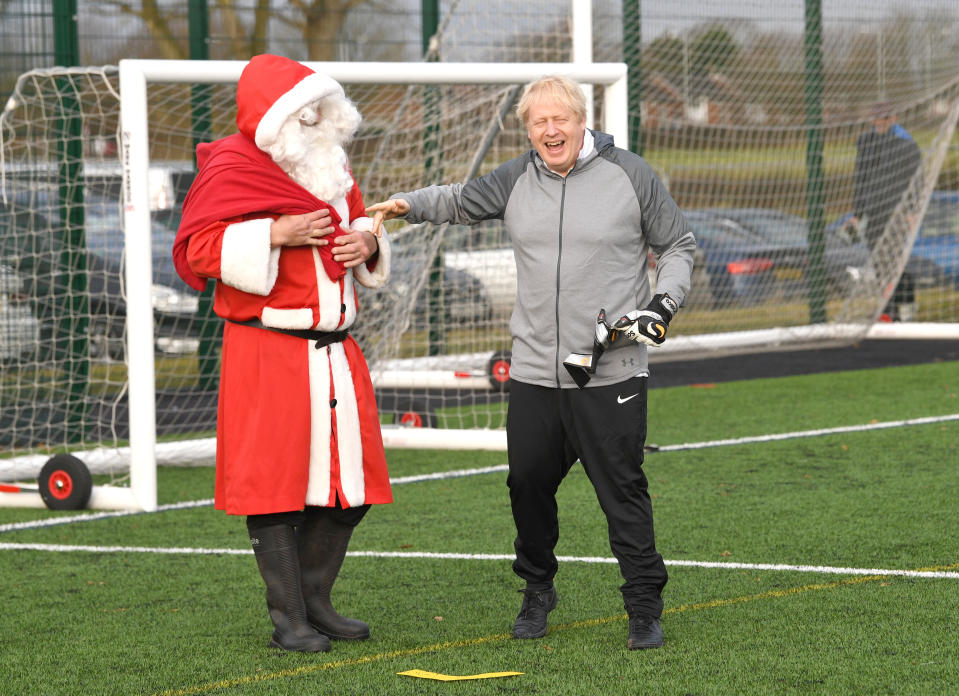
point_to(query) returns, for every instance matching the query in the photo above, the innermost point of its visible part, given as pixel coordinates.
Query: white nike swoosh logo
(621, 400)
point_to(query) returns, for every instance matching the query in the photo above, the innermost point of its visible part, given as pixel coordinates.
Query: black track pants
(605, 428)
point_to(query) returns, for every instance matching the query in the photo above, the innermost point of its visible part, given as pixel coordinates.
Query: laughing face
(556, 133)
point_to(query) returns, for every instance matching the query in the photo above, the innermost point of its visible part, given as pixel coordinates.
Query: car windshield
(781, 229)
(103, 230)
(711, 227)
(715, 228)
(105, 238)
(774, 226)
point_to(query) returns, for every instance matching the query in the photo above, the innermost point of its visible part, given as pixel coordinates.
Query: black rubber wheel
(65, 483)
(498, 370)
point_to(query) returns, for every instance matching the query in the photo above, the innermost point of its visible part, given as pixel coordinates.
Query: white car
(485, 252)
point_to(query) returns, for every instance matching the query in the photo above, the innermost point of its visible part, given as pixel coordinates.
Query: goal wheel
(65, 483)
(416, 414)
(498, 370)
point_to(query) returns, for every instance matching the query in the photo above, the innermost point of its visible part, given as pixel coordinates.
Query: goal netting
(116, 365)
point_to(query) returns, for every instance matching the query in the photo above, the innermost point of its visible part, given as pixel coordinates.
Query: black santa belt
(322, 338)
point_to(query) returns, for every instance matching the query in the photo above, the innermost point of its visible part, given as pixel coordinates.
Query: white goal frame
(134, 127)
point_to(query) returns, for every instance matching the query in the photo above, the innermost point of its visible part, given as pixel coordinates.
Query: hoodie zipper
(559, 264)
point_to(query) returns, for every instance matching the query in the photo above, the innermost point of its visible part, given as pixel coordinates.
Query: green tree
(665, 55)
(712, 49)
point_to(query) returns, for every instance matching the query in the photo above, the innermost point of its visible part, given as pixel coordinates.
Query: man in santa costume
(275, 218)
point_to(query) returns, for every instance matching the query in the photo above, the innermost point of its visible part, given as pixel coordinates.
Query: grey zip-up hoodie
(581, 244)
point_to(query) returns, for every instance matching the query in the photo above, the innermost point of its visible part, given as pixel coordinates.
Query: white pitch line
(397, 481)
(449, 474)
(54, 521)
(809, 433)
(781, 567)
(457, 473)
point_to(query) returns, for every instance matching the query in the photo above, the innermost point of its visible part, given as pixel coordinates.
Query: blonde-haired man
(582, 215)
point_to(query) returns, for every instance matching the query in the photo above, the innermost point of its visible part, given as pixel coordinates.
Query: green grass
(108, 622)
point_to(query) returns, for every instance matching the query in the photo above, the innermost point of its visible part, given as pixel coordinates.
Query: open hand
(387, 210)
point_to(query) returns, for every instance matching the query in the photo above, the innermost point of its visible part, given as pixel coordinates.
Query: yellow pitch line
(436, 647)
(308, 669)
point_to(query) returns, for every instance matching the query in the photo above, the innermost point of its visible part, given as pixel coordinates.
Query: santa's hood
(271, 89)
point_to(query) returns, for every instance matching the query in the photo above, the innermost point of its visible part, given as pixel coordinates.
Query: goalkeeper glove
(648, 325)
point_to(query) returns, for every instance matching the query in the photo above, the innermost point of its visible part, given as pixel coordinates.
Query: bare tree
(245, 44)
(318, 22)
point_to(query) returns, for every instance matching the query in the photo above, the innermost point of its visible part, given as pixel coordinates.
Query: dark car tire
(65, 483)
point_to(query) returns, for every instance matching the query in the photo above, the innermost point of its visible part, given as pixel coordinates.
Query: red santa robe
(296, 425)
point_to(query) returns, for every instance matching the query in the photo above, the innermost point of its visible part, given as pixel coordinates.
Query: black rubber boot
(322, 547)
(276, 556)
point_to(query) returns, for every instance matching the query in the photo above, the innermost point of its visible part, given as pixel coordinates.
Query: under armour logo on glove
(648, 325)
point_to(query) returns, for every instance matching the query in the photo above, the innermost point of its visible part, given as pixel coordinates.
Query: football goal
(110, 363)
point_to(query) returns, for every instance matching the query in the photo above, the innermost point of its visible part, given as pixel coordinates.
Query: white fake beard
(313, 158)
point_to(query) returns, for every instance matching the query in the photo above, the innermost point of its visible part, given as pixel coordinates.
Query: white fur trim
(247, 262)
(381, 271)
(318, 488)
(330, 296)
(362, 223)
(310, 88)
(349, 443)
(274, 318)
(323, 364)
(349, 294)
(333, 294)
(349, 299)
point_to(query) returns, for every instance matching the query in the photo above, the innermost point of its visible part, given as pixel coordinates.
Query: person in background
(582, 215)
(887, 157)
(275, 218)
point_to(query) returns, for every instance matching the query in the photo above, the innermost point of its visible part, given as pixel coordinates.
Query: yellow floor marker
(423, 674)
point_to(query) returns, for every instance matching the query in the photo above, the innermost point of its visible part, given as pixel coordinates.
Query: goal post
(134, 76)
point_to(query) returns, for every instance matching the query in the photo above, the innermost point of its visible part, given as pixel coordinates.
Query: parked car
(464, 298)
(938, 238)
(741, 268)
(846, 258)
(485, 251)
(31, 244)
(755, 254)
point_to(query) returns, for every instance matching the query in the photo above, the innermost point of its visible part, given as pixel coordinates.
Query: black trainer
(644, 633)
(531, 622)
